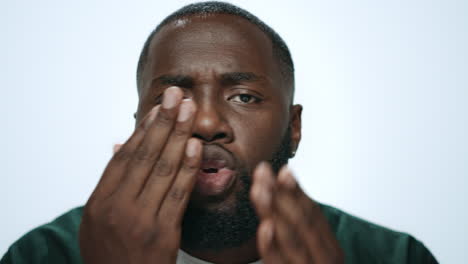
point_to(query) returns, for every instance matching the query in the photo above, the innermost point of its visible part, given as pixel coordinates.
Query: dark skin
(237, 99)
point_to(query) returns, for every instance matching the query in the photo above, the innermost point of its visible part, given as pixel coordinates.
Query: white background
(383, 85)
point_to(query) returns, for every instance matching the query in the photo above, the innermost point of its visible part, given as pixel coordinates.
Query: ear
(296, 127)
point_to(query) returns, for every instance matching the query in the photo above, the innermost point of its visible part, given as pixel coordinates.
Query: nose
(211, 125)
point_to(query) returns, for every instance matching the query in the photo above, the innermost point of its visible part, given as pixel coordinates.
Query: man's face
(227, 67)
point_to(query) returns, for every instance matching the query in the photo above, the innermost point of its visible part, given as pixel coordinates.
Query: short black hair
(280, 49)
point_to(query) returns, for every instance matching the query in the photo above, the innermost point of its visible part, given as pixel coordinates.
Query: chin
(222, 220)
(218, 199)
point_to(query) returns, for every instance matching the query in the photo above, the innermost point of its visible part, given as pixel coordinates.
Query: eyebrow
(186, 81)
(175, 80)
(239, 77)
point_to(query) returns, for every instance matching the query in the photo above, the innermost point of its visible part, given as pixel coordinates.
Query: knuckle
(190, 166)
(116, 215)
(142, 232)
(142, 154)
(180, 131)
(164, 168)
(122, 155)
(164, 118)
(112, 217)
(145, 202)
(177, 194)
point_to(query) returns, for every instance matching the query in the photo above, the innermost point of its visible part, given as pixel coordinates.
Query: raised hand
(292, 227)
(134, 214)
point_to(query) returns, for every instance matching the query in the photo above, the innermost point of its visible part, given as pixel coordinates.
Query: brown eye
(158, 99)
(244, 99)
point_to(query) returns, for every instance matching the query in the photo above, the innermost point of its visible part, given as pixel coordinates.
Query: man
(203, 176)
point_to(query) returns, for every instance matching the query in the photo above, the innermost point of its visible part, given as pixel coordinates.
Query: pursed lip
(215, 157)
(217, 172)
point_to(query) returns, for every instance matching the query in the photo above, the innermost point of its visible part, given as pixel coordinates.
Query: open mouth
(214, 181)
(210, 170)
(217, 172)
(212, 165)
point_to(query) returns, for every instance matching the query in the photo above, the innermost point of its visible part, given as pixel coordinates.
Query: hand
(134, 214)
(292, 227)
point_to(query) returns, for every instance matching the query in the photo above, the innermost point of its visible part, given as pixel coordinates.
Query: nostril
(219, 136)
(195, 135)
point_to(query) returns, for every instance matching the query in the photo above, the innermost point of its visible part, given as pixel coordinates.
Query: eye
(158, 99)
(244, 99)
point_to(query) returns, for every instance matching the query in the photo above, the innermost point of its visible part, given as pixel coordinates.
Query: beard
(218, 229)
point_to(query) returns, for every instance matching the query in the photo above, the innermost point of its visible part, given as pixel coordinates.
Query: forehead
(211, 43)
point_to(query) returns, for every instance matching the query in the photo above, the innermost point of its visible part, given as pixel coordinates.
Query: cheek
(257, 136)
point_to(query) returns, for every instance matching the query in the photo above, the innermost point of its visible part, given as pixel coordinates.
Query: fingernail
(151, 116)
(263, 165)
(185, 111)
(170, 97)
(193, 147)
(287, 178)
(262, 169)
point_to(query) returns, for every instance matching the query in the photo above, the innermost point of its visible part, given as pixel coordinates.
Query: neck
(246, 253)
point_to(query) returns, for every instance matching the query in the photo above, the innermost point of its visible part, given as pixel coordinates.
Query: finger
(289, 199)
(262, 189)
(115, 169)
(286, 179)
(290, 223)
(150, 148)
(304, 217)
(290, 243)
(322, 243)
(175, 201)
(116, 148)
(266, 243)
(167, 166)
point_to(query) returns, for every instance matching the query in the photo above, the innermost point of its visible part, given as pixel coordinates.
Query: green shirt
(362, 242)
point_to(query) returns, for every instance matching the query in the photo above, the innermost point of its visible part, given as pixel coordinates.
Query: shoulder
(54, 242)
(365, 242)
